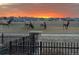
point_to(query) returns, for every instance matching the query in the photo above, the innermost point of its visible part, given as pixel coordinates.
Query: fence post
(2, 38)
(62, 48)
(33, 39)
(65, 48)
(16, 47)
(46, 48)
(57, 48)
(54, 48)
(32, 42)
(40, 48)
(28, 44)
(77, 48)
(71, 48)
(74, 48)
(51, 48)
(23, 44)
(68, 48)
(10, 47)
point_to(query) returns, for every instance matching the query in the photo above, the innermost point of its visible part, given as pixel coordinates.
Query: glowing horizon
(39, 10)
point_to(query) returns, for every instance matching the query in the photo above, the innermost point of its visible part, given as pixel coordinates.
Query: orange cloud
(38, 15)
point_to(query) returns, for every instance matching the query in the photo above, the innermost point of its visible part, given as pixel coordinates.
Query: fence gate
(25, 45)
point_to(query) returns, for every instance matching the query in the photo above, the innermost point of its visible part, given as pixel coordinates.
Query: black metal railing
(30, 45)
(44, 48)
(12, 43)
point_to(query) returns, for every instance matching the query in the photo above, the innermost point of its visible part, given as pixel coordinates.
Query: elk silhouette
(66, 25)
(8, 22)
(30, 25)
(44, 25)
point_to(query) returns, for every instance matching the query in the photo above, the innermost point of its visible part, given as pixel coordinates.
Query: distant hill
(38, 19)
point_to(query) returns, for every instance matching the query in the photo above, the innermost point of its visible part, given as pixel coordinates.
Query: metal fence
(43, 48)
(30, 45)
(6, 39)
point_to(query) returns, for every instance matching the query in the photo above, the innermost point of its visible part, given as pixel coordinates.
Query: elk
(7, 23)
(66, 25)
(30, 25)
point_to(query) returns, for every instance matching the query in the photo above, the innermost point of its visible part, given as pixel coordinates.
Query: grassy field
(52, 27)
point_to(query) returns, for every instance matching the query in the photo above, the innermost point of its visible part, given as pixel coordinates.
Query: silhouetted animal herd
(31, 25)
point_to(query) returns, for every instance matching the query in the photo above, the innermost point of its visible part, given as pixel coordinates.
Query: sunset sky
(40, 9)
